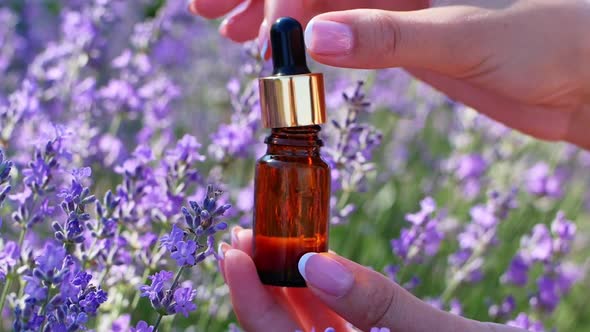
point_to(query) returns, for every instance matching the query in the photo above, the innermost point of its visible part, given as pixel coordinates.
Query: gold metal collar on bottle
(290, 101)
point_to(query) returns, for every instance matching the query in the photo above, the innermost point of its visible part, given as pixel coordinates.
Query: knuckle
(386, 34)
(383, 305)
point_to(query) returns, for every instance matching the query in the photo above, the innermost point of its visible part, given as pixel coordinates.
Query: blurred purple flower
(423, 238)
(469, 170)
(478, 235)
(455, 307)
(539, 245)
(540, 181)
(563, 232)
(523, 321)
(504, 309)
(517, 273)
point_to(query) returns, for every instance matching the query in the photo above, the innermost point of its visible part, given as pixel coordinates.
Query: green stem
(158, 323)
(5, 292)
(8, 283)
(343, 199)
(87, 259)
(21, 238)
(114, 128)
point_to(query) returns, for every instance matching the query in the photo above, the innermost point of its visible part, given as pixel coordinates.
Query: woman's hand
(339, 291)
(522, 62)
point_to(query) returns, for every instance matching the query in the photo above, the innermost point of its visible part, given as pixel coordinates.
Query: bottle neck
(295, 141)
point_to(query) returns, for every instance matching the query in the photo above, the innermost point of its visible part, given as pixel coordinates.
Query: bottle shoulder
(276, 160)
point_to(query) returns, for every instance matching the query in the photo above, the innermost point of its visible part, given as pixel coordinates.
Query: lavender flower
(423, 237)
(542, 247)
(169, 241)
(9, 254)
(204, 222)
(525, 322)
(352, 143)
(477, 236)
(5, 167)
(184, 253)
(541, 182)
(158, 280)
(184, 300)
(142, 327)
(469, 171)
(504, 309)
(115, 85)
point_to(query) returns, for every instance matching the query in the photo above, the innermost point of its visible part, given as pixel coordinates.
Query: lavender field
(128, 136)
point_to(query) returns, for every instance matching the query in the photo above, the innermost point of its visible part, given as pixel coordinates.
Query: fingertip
(222, 248)
(223, 27)
(245, 238)
(240, 24)
(303, 261)
(234, 235)
(212, 9)
(237, 266)
(263, 40)
(192, 8)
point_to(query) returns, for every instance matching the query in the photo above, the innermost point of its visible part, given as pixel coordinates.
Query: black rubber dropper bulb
(288, 47)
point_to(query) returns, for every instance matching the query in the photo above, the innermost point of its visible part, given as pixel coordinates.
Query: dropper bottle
(292, 182)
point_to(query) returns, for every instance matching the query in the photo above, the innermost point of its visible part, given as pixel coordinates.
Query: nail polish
(292, 181)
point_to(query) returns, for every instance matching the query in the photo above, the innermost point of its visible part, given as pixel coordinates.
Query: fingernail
(328, 37)
(221, 249)
(263, 39)
(223, 26)
(325, 274)
(191, 7)
(234, 236)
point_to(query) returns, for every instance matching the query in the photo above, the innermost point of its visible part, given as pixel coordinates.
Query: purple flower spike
(423, 238)
(564, 232)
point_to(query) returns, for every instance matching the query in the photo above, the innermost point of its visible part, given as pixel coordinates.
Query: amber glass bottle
(292, 182)
(292, 200)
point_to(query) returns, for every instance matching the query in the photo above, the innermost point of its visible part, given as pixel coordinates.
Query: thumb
(447, 40)
(368, 299)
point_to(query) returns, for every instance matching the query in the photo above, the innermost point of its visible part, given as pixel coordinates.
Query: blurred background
(465, 213)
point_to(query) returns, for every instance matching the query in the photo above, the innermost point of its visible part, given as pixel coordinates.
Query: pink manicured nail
(221, 249)
(223, 26)
(234, 236)
(328, 37)
(263, 39)
(325, 274)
